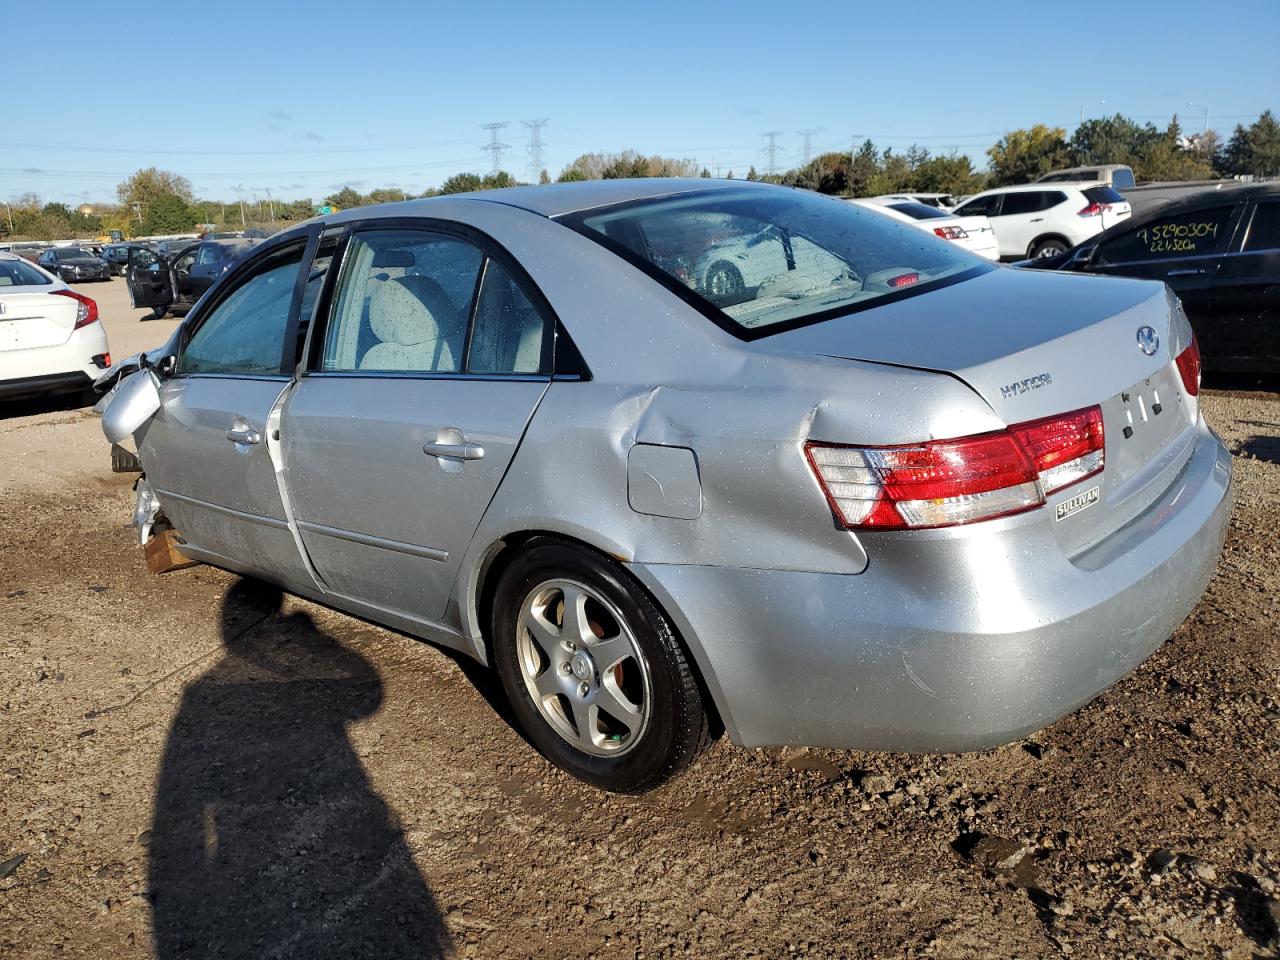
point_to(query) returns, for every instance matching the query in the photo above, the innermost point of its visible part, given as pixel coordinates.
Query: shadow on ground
(268, 839)
(46, 403)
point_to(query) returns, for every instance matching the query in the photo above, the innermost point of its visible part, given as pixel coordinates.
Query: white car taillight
(943, 483)
(951, 233)
(86, 312)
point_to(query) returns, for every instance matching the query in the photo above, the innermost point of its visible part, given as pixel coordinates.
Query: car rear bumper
(49, 383)
(968, 645)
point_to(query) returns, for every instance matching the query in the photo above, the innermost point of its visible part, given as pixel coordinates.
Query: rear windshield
(1103, 195)
(919, 211)
(19, 273)
(761, 260)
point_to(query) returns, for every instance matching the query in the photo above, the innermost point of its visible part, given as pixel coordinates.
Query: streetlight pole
(10, 210)
(1206, 115)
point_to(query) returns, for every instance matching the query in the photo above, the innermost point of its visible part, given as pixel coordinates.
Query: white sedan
(51, 340)
(972, 233)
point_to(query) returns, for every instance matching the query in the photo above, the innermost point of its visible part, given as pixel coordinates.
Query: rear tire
(626, 723)
(724, 282)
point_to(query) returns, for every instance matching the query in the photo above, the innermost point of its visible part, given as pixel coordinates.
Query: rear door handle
(246, 435)
(455, 451)
(1186, 272)
(1037, 219)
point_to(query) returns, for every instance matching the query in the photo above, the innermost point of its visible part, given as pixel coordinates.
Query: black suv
(1220, 253)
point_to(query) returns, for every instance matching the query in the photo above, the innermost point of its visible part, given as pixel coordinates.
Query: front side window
(756, 260)
(1190, 234)
(980, 207)
(208, 253)
(403, 303)
(245, 331)
(142, 256)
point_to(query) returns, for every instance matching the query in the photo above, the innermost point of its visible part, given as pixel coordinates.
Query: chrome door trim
(368, 540)
(225, 511)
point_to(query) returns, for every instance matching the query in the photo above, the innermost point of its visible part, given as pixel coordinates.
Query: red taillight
(1189, 367)
(1094, 210)
(1065, 448)
(944, 483)
(86, 313)
(904, 280)
(951, 233)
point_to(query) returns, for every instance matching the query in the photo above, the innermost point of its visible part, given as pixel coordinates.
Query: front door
(426, 373)
(148, 279)
(210, 452)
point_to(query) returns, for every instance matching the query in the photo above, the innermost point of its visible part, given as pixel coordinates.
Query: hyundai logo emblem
(1148, 341)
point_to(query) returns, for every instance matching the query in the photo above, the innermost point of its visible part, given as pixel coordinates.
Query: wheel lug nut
(582, 689)
(566, 669)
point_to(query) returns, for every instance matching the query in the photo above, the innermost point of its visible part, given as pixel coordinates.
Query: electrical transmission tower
(495, 146)
(771, 150)
(808, 143)
(535, 147)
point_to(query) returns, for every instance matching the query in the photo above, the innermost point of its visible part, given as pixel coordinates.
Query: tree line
(155, 201)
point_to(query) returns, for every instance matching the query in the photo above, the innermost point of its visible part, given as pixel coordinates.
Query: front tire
(1047, 248)
(593, 669)
(724, 283)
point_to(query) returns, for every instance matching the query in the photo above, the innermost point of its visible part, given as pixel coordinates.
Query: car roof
(1025, 187)
(555, 199)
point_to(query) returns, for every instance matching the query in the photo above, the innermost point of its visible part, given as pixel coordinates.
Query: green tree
(344, 199)
(385, 195)
(751, 173)
(297, 210)
(462, 183)
(498, 181)
(149, 185)
(1254, 150)
(543, 177)
(1022, 155)
(571, 174)
(950, 174)
(168, 213)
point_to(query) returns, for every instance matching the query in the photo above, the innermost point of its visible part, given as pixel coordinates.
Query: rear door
(209, 449)
(433, 357)
(1244, 313)
(147, 276)
(1024, 216)
(1183, 249)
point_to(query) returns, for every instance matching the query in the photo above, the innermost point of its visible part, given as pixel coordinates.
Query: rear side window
(1264, 231)
(1030, 201)
(1103, 195)
(244, 333)
(19, 273)
(1188, 234)
(403, 303)
(509, 331)
(759, 260)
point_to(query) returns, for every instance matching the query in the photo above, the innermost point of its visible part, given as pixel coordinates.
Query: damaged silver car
(677, 457)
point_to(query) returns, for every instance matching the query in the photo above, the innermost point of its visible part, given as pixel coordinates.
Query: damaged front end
(146, 510)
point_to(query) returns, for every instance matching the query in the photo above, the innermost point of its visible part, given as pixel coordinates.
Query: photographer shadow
(268, 839)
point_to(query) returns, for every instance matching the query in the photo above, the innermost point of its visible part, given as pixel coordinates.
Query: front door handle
(246, 435)
(455, 451)
(1186, 272)
(1037, 219)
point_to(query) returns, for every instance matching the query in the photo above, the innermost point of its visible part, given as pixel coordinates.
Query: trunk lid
(1033, 349)
(35, 317)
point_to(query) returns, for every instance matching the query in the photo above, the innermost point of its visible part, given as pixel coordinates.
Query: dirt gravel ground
(193, 766)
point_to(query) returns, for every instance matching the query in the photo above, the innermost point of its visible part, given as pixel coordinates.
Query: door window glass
(403, 303)
(209, 253)
(980, 207)
(1188, 234)
(141, 256)
(509, 331)
(244, 334)
(1264, 231)
(1031, 201)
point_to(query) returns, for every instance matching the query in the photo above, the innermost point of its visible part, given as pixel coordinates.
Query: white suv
(1043, 220)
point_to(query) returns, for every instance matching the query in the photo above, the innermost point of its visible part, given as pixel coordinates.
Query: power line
(495, 146)
(771, 150)
(535, 147)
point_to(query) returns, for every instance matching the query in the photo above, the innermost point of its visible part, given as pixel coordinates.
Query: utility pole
(535, 147)
(771, 150)
(495, 146)
(240, 196)
(10, 210)
(271, 204)
(808, 142)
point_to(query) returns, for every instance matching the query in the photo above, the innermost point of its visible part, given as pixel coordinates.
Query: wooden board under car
(164, 554)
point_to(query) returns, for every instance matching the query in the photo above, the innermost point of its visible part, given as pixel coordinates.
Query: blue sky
(300, 100)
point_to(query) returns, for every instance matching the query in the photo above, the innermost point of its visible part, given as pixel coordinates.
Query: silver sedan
(873, 492)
